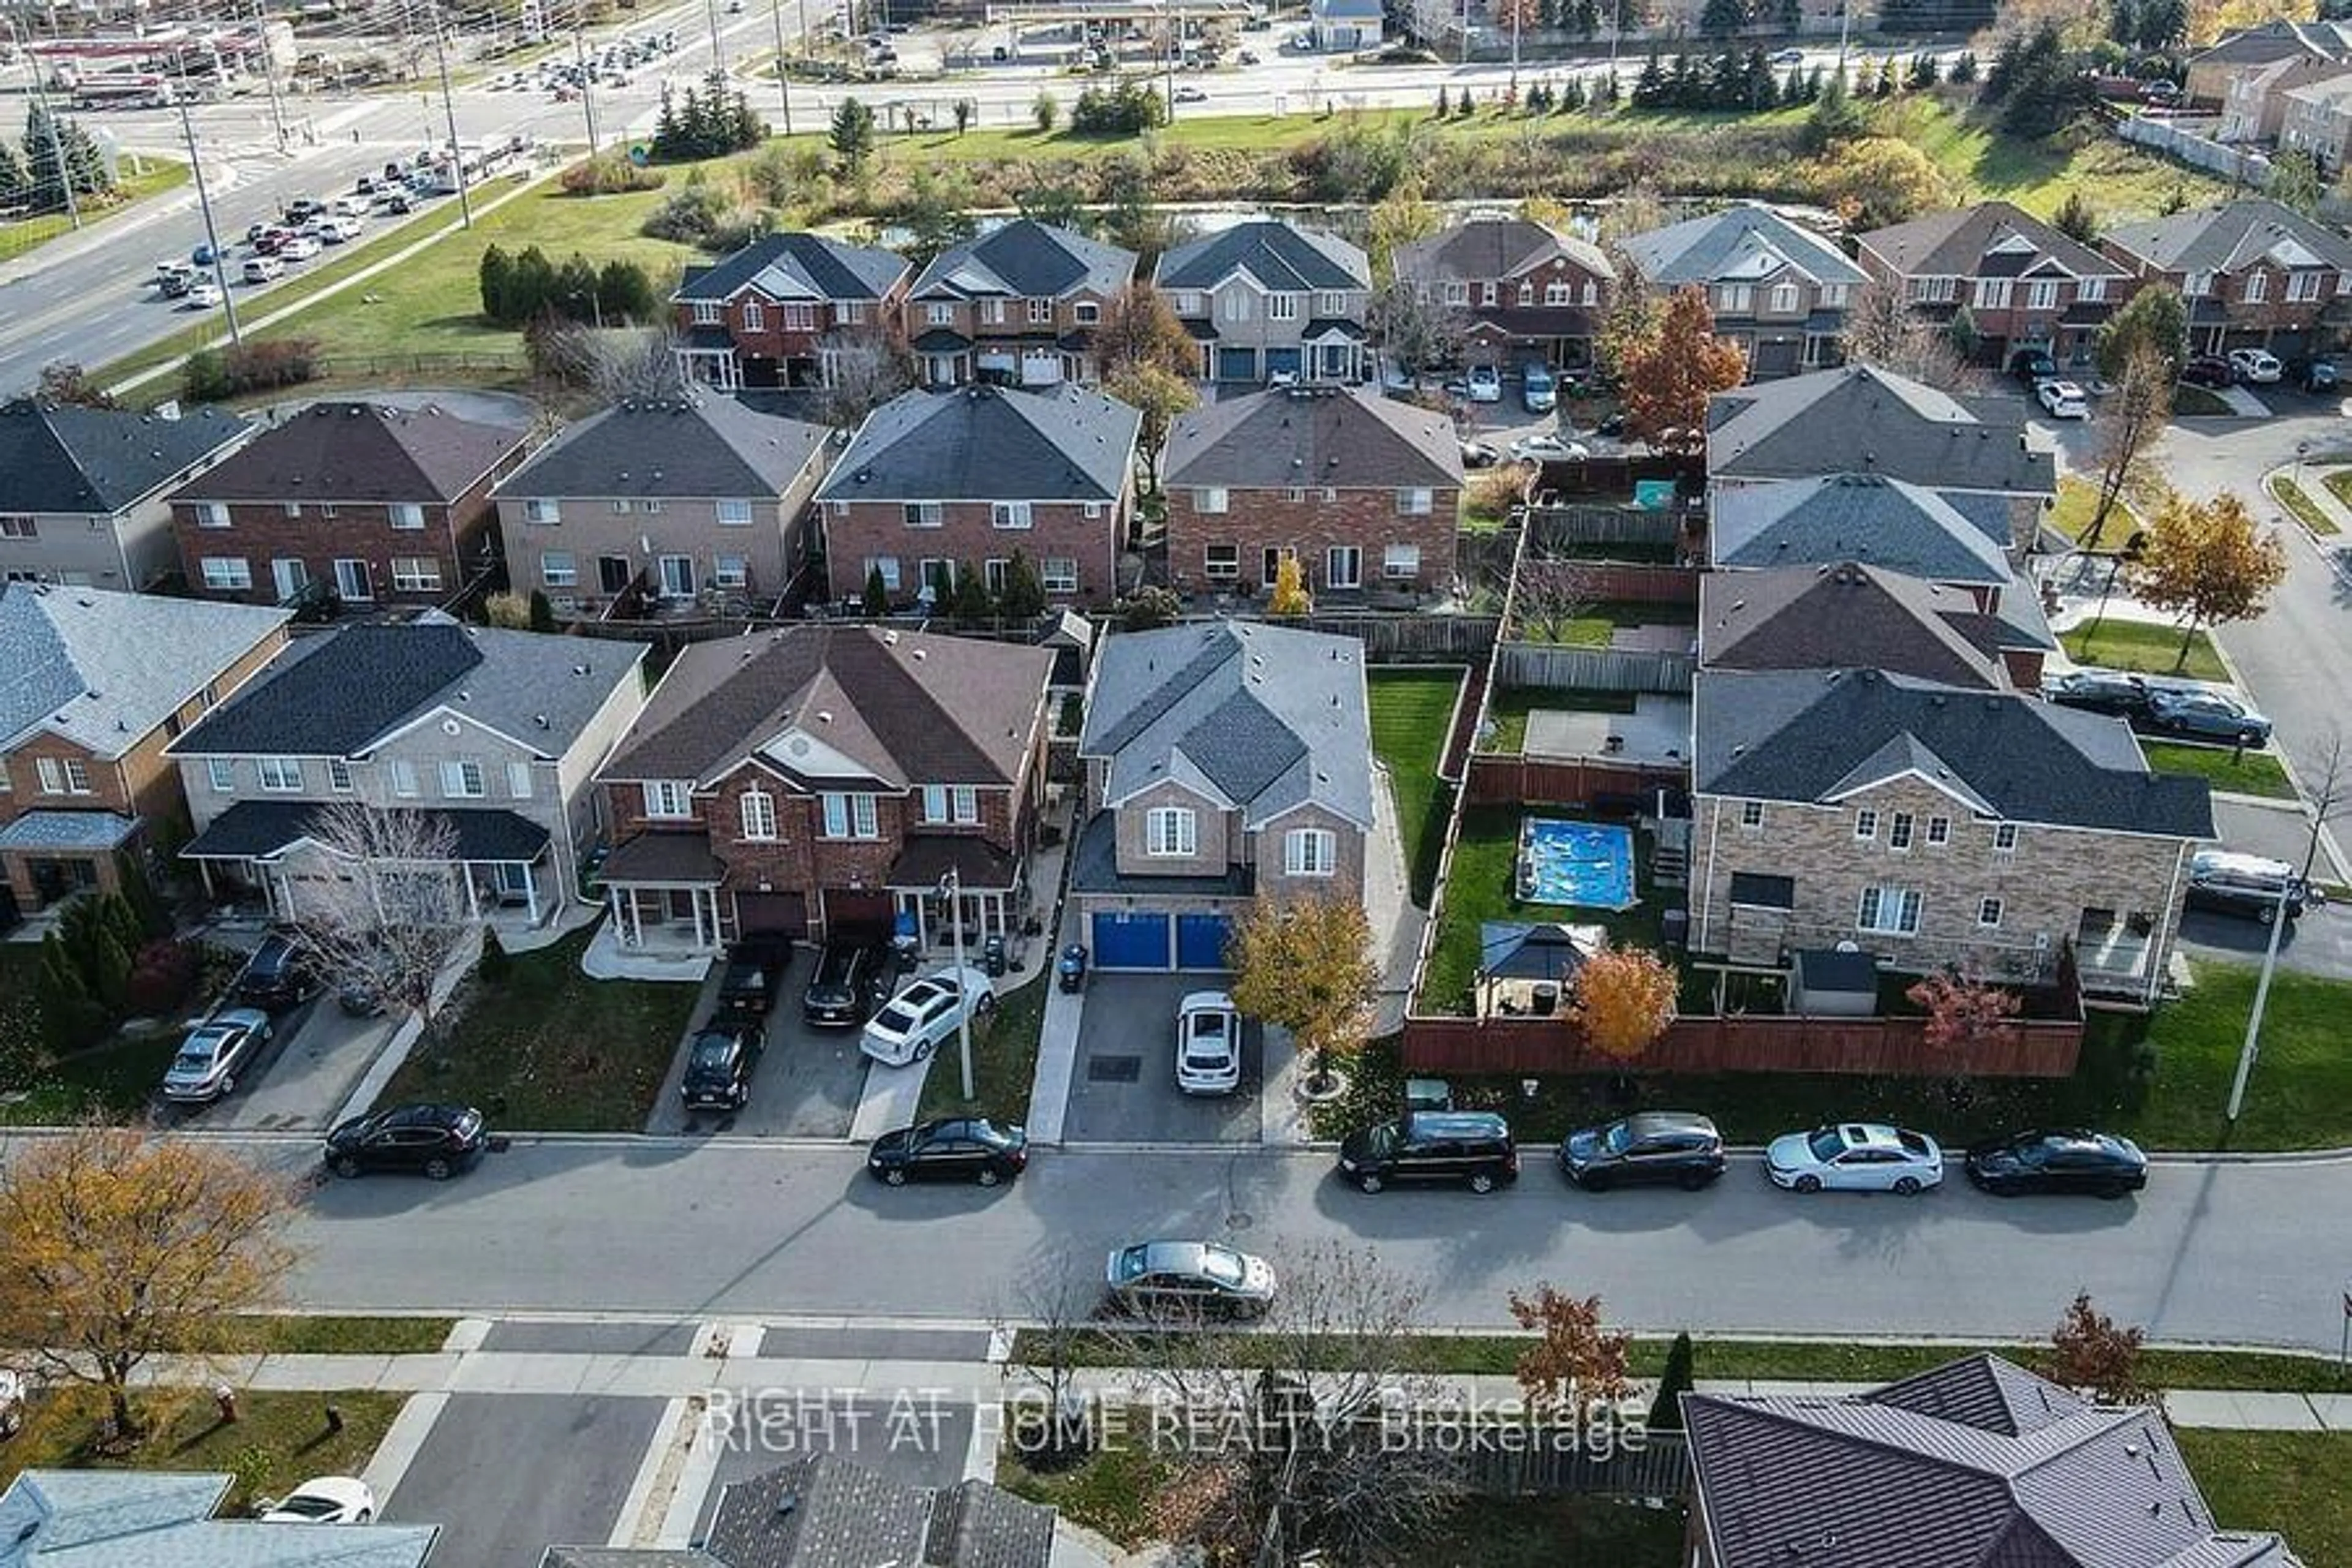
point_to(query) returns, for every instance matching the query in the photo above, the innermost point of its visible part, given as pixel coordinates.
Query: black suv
(2032, 367)
(2318, 374)
(719, 1062)
(841, 991)
(2234, 884)
(2099, 691)
(748, 988)
(437, 1139)
(1651, 1147)
(274, 976)
(1473, 1147)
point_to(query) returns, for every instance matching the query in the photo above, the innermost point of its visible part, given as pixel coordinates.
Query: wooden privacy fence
(1629, 582)
(1549, 1463)
(1558, 665)
(1501, 779)
(1888, 1047)
(1406, 636)
(1560, 526)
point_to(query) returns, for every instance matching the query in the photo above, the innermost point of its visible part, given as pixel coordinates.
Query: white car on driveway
(327, 1500)
(2064, 400)
(912, 1024)
(1547, 449)
(1208, 1044)
(1486, 385)
(1857, 1157)
(2259, 367)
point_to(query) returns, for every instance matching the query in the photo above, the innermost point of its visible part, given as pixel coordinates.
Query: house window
(558, 569)
(1008, 514)
(1401, 561)
(339, 775)
(992, 312)
(406, 514)
(415, 574)
(1233, 305)
(1457, 292)
(995, 572)
(1889, 911)
(1989, 912)
(1939, 832)
(758, 814)
(674, 576)
(1343, 567)
(1784, 297)
(1993, 294)
(221, 773)
(542, 512)
(1751, 813)
(1865, 824)
(1211, 501)
(709, 314)
(1310, 852)
(2004, 837)
(1832, 296)
(1332, 304)
(1416, 503)
(952, 805)
(1220, 563)
(1094, 511)
(2198, 285)
(227, 572)
(404, 779)
(885, 567)
(462, 779)
(1171, 832)
(755, 318)
(212, 514)
(1281, 307)
(1735, 299)
(2091, 291)
(1898, 831)
(2042, 295)
(17, 525)
(1556, 292)
(939, 315)
(1085, 312)
(802, 318)
(281, 776)
(1187, 303)
(2303, 286)
(2257, 288)
(620, 507)
(849, 817)
(730, 571)
(7, 784)
(69, 775)
(292, 509)
(650, 506)
(518, 781)
(735, 513)
(1041, 312)
(668, 798)
(354, 581)
(1060, 574)
(924, 514)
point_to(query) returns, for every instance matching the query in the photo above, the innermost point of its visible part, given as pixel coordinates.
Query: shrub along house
(1226, 763)
(1361, 489)
(827, 779)
(83, 490)
(375, 503)
(775, 312)
(1018, 307)
(1527, 293)
(1778, 290)
(1270, 301)
(936, 483)
(96, 684)
(2024, 284)
(679, 498)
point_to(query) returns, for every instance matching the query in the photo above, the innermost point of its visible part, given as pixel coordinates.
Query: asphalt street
(2220, 1252)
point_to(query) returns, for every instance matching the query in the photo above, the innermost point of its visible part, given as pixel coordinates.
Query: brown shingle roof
(358, 452)
(1312, 436)
(1843, 616)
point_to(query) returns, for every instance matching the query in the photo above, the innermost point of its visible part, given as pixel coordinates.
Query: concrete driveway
(506, 1474)
(808, 1082)
(1124, 1088)
(307, 1072)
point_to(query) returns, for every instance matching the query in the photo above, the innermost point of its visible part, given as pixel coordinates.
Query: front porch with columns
(988, 899)
(666, 891)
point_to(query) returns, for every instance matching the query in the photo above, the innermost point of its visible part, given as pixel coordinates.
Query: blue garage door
(1237, 364)
(1201, 940)
(1280, 360)
(1130, 942)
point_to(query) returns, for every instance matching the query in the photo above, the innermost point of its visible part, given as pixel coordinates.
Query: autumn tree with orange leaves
(1667, 377)
(1574, 1363)
(1624, 1000)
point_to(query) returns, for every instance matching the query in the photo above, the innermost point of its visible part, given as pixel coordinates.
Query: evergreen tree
(852, 136)
(972, 605)
(2077, 219)
(542, 611)
(495, 966)
(532, 288)
(1721, 18)
(71, 1018)
(749, 130)
(58, 151)
(1666, 1408)
(1756, 89)
(16, 179)
(1463, 107)
(1572, 94)
(124, 921)
(1793, 86)
(1024, 598)
(1726, 81)
(1650, 86)
(1964, 68)
(1816, 84)
(1613, 92)
(108, 969)
(625, 293)
(1885, 86)
(497, 275)
(1788, 16)
(1585, 19)
(878, 594)
(666, 127)
(1962, 332)
(574, 293)
(1925, 72)
(1444, 103)
(1685, 83)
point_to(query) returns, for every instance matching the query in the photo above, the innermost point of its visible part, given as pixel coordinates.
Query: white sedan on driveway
(1208, 1044)
(328, 1499)
(2259, 367)
(912, 1024)
(1485, 384)
(1542, 448)
(1855, 1156)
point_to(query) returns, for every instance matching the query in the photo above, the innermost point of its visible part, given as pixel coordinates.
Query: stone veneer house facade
(1269, 301)
(83, 490)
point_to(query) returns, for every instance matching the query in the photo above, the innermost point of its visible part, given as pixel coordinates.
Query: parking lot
(808, 1082)
(1125, 1086)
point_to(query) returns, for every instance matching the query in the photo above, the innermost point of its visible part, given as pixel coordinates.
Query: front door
(352, 583)
(677, 576)
(288, 575)
(1343, 567)
(1275, 554)
(614, 572)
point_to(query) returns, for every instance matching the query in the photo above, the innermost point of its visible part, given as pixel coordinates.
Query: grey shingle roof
(1860, 419)
(339, 694)
(1025, 259)
(97, 460)
(1843, 616)
(826, 1511)
(627, 1557)
(127, 1519)
(1495, 247)
(989, 443)
(1299, 437)
(1991, 240)
(701, 447)
(1259, 716)
(1743, 243)
(799, 266)
(257, 829)
(1282, 259)
(102, 670)
(358, 452)
(1869, 1480)
(906, 707)
(2233, 235)
(1808, 736)
(2279, 39)
(1868, 517)
(42, 831)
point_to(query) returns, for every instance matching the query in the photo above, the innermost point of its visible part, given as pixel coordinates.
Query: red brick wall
(773, 342)
(2276, 313)
(261, 532)
(1255, 521)
(855, 531)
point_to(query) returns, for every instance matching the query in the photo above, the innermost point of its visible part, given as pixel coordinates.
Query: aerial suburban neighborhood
(1096, 783)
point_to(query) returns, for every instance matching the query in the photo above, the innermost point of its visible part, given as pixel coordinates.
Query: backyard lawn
(522, 1050)
(1479, 889)
(1410, 711)
(2255, 772)
(1003, 1062)
(2150, 647)
(2297, 1483)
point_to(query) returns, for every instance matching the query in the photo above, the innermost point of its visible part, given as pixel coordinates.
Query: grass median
(151, 177)
(2250, 772)
(2151, 648)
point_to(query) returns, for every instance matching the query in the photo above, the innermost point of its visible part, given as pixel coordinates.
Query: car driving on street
(1856, 1157)
(1188, 1279)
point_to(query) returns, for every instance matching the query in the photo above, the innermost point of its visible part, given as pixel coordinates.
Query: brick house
(376, 504)
(1271, 302)
(1226, 763)
(776, 313)
(493, 735)
(97, 683)
(2255, 275)
(941, 482)
(82, 491)
(826, 779)
(1530, 292)
(2024, 284)
(2210, 69)
(1362, 490)
(687, 497)
(1018, 306)
(1933, 826)
(2253, 107)
(1779, 290)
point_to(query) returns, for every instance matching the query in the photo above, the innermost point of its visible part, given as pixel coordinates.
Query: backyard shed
(1833, 982)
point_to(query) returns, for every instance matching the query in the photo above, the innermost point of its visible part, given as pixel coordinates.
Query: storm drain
(1115, 1069)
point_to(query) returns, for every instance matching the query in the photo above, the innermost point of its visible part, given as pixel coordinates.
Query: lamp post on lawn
(951, 889)
(2253, 1047)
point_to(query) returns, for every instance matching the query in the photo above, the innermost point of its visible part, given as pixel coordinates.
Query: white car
(1189, 94)
(2259, 366)
(1856, 1157)
(301, 248)
(204, 294)
(1788, 56)
(1547, 449)
(262, 269)
(2064, 400)
(11, 1402)
(335, 228)
(327, 1500)
(1486, 385)
(210, 1058)
(1208, 1044)
(912, 1024)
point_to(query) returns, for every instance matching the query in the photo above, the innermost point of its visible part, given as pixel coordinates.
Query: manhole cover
(1115, 1069)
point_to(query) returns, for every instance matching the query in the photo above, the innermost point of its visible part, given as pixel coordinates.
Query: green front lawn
(2255, 772)
(2077, 503)
(2298, 501)
(2201, 402)
(2147, 646)
(2298, 1484)
(152, 177)
(550, 1050)
(112, 1082)
(1003, 1062)
(331, 1333)
(1410, 711)
(1479, 889)
(2300, 1096)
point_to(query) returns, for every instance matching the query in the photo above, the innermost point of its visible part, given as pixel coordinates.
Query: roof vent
(786, 1503)
(579, 670)
(889, 637)
(540, 720)
(921, 653)
(825, 715)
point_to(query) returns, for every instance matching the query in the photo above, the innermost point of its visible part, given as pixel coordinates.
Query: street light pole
(212, 237)
(718, 53)
(951, 885)
(783, 76)
(2253, 1047)
(587, 87)
(450, 107)
(269, 72)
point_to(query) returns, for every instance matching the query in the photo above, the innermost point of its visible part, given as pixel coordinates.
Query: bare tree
(393, 908)
(868, 371)
(1053, 1320)
(2131, 419)
(2326, 790)
(1548, 594)
(1882, 330)
(1419, 330)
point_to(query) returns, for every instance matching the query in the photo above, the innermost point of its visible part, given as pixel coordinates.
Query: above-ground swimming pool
(1589, 864)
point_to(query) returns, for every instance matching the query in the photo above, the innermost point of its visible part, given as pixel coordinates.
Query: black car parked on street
(2059, 1160)
(958, 1149)
(1652, 1148)
(438, 1140)
(841, 993)
(719, 1062)
(1473, 1147)
(2099, 691)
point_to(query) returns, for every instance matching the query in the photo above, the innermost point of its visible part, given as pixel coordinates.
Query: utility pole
(270, 73)
(212, 235)
(587, 88)
(1845, 18)
(2252, 1047)
(1167, 24)
(450, 107)
(717, 52)
(56, 144)
(783, 74)
(1616, 32)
